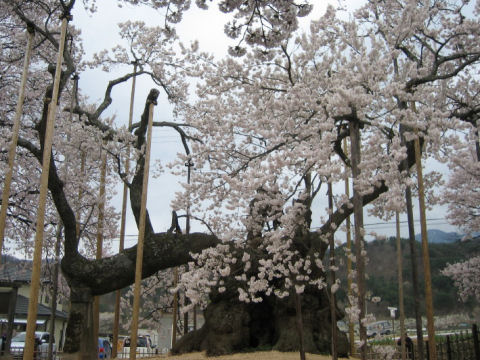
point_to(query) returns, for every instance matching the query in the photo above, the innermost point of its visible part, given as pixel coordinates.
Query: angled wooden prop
(15, 130)
(141, 229)
(47, 150)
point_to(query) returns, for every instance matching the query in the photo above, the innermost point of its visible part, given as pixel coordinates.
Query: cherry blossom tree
(264, 136)
(77, 138)
(274, 120)
(465, 276)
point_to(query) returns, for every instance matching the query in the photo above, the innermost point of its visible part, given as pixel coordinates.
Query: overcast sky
(100, 31)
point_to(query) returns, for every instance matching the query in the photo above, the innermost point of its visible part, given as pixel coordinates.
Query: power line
(403, 222)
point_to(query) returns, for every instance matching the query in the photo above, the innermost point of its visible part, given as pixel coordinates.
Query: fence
(142, 352)
(462, 346)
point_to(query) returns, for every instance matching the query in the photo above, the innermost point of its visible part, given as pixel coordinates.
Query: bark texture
(231, 326)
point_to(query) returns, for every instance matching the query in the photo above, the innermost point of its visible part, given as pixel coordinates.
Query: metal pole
(47, 150)
(351, 329)
(425, 254)
(141, 235)
(101, 216)
(15, 131)
(400, 287)
(116, 319)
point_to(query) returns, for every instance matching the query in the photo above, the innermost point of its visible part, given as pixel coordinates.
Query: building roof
(15, 274)
(21, 309)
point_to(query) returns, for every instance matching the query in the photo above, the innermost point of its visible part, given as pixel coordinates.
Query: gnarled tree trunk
(231, 326)
(80, 343)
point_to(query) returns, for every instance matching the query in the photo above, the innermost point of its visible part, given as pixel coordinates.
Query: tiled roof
(15, 273)
(21, 309)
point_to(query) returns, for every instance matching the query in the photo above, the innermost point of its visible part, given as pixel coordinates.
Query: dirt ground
(259, 355)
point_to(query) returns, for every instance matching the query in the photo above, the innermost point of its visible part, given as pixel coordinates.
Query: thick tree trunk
(299, 316)
(80, 343)
(231, 326)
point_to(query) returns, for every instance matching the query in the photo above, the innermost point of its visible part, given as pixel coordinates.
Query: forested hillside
(382, 275)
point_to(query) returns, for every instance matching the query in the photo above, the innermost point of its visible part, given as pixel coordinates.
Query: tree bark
(299, 316)
(231, 326)
(79, 338)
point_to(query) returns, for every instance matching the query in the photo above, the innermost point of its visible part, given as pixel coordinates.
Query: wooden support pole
(15, 130)
(400, 287)
(333, 302)
(11, 318)
(47, 151)
(425, 254)
(100, 225)
(175, 308)
(359, 232)
(58, 241)
(351, 328)
(141, 236)
(53, 308)
(189, 166)
(80, 193)
(116, 319)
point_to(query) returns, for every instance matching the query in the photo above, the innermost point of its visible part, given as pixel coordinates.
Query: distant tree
(465, 275)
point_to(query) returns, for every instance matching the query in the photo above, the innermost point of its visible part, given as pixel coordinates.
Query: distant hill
(440, 237)
(382, 272)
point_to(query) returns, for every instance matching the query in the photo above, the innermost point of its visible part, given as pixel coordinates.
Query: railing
(142, 352)
(458, 346)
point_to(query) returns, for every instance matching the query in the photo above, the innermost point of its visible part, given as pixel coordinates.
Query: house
(15, 277)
